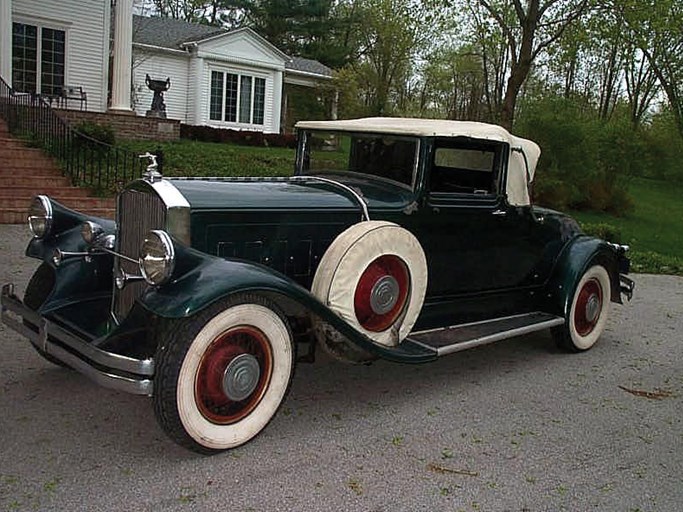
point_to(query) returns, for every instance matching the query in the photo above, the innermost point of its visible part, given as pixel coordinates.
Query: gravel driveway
(514, 426)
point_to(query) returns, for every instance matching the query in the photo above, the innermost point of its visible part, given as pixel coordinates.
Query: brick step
(7, 141)
(34, 181)
(18, 215)
(31, 154)
(39, 188)
(75, 203)
(27, 163)
(23, 149)
(26, 172)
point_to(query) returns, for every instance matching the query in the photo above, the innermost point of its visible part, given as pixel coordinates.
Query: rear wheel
(223, 374)
(588, 313)
(38, 290)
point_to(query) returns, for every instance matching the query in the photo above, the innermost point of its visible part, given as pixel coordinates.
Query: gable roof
(172, 34)
(308, 66)
(169, 32)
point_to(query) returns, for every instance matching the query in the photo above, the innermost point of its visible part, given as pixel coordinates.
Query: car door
(474, 241)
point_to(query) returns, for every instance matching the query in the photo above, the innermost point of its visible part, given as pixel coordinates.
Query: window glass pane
(52, 62)
(231, 98)
(386, 157)
(245, 99)
(216, 99)
(259, 100)
(24, 57)
(465, 168)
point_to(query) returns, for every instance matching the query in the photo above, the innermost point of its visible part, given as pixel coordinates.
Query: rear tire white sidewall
(599, 273)
(221, 437)
(345, 262)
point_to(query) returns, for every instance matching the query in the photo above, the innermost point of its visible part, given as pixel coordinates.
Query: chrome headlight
(40, 216)
(157, 257)
(91, 231)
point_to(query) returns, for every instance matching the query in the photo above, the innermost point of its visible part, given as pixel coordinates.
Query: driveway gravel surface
(515, 426)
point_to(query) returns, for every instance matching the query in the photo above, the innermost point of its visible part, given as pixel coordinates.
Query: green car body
(486, 257)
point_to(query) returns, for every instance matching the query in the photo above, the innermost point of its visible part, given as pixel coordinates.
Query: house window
(237, 97)
(38, 57)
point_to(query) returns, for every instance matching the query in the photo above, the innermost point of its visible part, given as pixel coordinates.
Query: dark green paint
(76, 279)
(210, 279)
(485, 257)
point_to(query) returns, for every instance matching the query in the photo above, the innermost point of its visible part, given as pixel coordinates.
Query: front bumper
(627, 286)
(107, 369)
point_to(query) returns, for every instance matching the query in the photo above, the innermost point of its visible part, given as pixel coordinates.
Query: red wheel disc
(381, 293)
(210, 394)
(588, 307)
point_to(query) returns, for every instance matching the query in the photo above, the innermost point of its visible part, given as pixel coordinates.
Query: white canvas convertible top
(516, 186)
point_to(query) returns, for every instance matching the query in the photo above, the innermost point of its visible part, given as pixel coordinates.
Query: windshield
(387, 157)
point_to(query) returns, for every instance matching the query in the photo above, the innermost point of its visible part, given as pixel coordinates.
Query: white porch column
(123, 56)
(6, 41)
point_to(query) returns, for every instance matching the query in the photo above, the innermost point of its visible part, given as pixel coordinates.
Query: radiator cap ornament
(151, 174)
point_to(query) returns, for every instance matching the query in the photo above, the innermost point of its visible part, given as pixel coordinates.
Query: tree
(656, 25)
(527, 30)
(388, 35)
(315, 29)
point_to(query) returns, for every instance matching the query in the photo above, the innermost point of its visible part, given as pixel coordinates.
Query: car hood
(296, 193)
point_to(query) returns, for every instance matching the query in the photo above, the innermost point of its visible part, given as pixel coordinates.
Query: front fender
(212, 279)
(579, 254)
(75, 278)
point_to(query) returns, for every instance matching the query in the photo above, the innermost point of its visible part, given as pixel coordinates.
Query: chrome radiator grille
(137, 213)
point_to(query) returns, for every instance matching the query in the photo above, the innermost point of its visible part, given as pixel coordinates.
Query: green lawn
(654, 230)
(192, 158)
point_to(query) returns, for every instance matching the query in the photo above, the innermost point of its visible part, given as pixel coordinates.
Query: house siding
(161, 65)
(86, 23)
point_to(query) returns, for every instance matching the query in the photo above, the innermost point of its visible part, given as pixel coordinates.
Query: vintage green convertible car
(400, 239)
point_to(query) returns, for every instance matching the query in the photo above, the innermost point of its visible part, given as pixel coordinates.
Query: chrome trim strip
(169, 194)
(47, 330)
(470, 324)
(177, 210)
(359, 199)
(442, 351)
(485, 340)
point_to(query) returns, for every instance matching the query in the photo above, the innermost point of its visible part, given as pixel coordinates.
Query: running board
(456, 338)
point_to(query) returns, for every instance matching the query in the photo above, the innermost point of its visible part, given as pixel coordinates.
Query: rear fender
(211, 279)
(579, 254)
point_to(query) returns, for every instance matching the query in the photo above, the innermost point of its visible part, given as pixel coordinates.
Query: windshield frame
(303, 154)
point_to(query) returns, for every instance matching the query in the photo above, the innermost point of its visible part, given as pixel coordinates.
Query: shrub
(99, 132)
(584, 162)
(602, 230)
(241, 137)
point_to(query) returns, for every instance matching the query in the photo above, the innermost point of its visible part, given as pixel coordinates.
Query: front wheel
(222, 374)
(588, 314)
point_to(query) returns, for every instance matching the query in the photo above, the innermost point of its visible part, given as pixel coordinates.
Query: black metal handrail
(86, 161)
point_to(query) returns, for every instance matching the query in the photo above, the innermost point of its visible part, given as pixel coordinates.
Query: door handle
(499, 212)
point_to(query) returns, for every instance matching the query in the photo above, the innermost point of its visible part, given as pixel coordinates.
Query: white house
(218, 77)
(46, 45)
(222, 78)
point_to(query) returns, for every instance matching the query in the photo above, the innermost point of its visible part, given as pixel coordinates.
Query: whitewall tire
(588, 313)
(374, 275)
(223, 374)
